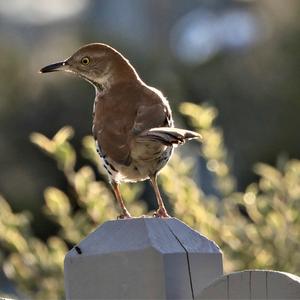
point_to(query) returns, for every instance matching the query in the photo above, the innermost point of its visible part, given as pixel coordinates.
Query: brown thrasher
(132, 122)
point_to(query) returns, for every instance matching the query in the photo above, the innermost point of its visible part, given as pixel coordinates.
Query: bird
(132, 126)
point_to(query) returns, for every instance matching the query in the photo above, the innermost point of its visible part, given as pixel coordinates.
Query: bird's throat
(98, 86)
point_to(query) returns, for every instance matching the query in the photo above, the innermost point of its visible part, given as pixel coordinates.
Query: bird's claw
(161, 213)
(124, 216)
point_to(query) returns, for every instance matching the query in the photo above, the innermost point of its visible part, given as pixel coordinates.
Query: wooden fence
(152, 258)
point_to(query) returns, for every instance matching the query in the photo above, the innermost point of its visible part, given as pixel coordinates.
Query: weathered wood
(253, 285)
(259, 284)
(217, 290)
(194, 244)
(145, 258)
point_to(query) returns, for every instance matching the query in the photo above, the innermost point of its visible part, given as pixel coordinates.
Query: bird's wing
(154, 123)
(153, 111)
(113, 142)
(113, 120)
(149, 116)
(123, 114)
(167, 136)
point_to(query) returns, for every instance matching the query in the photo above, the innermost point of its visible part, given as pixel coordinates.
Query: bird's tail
(168, 136)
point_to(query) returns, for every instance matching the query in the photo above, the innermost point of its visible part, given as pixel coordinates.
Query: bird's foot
(124, 215)
(161, 213)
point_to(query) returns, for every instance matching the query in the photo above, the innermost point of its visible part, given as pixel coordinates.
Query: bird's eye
(85, 61)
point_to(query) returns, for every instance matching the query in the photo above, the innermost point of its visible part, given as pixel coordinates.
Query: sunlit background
(243, 57)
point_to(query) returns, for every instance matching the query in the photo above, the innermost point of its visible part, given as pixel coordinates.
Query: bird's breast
(146, 159)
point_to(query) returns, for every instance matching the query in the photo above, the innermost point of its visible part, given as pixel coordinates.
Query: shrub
(258, 228)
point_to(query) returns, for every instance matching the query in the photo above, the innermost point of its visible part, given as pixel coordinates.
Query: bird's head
(97, 63)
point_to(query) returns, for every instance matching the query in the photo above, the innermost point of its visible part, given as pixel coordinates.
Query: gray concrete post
(145, 258)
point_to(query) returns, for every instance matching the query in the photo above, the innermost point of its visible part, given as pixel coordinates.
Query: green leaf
(57, 202)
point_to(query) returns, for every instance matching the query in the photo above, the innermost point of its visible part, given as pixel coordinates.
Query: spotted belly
(141, 166)
(107, 164)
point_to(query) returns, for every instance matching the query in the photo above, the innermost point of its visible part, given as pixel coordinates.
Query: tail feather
(168, 135)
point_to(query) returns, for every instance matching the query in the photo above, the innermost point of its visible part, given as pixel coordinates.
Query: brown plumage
(132, 122)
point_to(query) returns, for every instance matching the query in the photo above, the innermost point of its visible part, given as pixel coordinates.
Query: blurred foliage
(258, 228)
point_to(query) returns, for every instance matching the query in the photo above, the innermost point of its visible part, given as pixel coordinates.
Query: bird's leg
(125, 213)
(161, 212)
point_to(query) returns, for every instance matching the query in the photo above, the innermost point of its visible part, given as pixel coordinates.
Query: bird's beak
(60, 66)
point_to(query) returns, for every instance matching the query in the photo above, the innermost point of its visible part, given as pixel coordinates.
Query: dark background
(241, 56)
